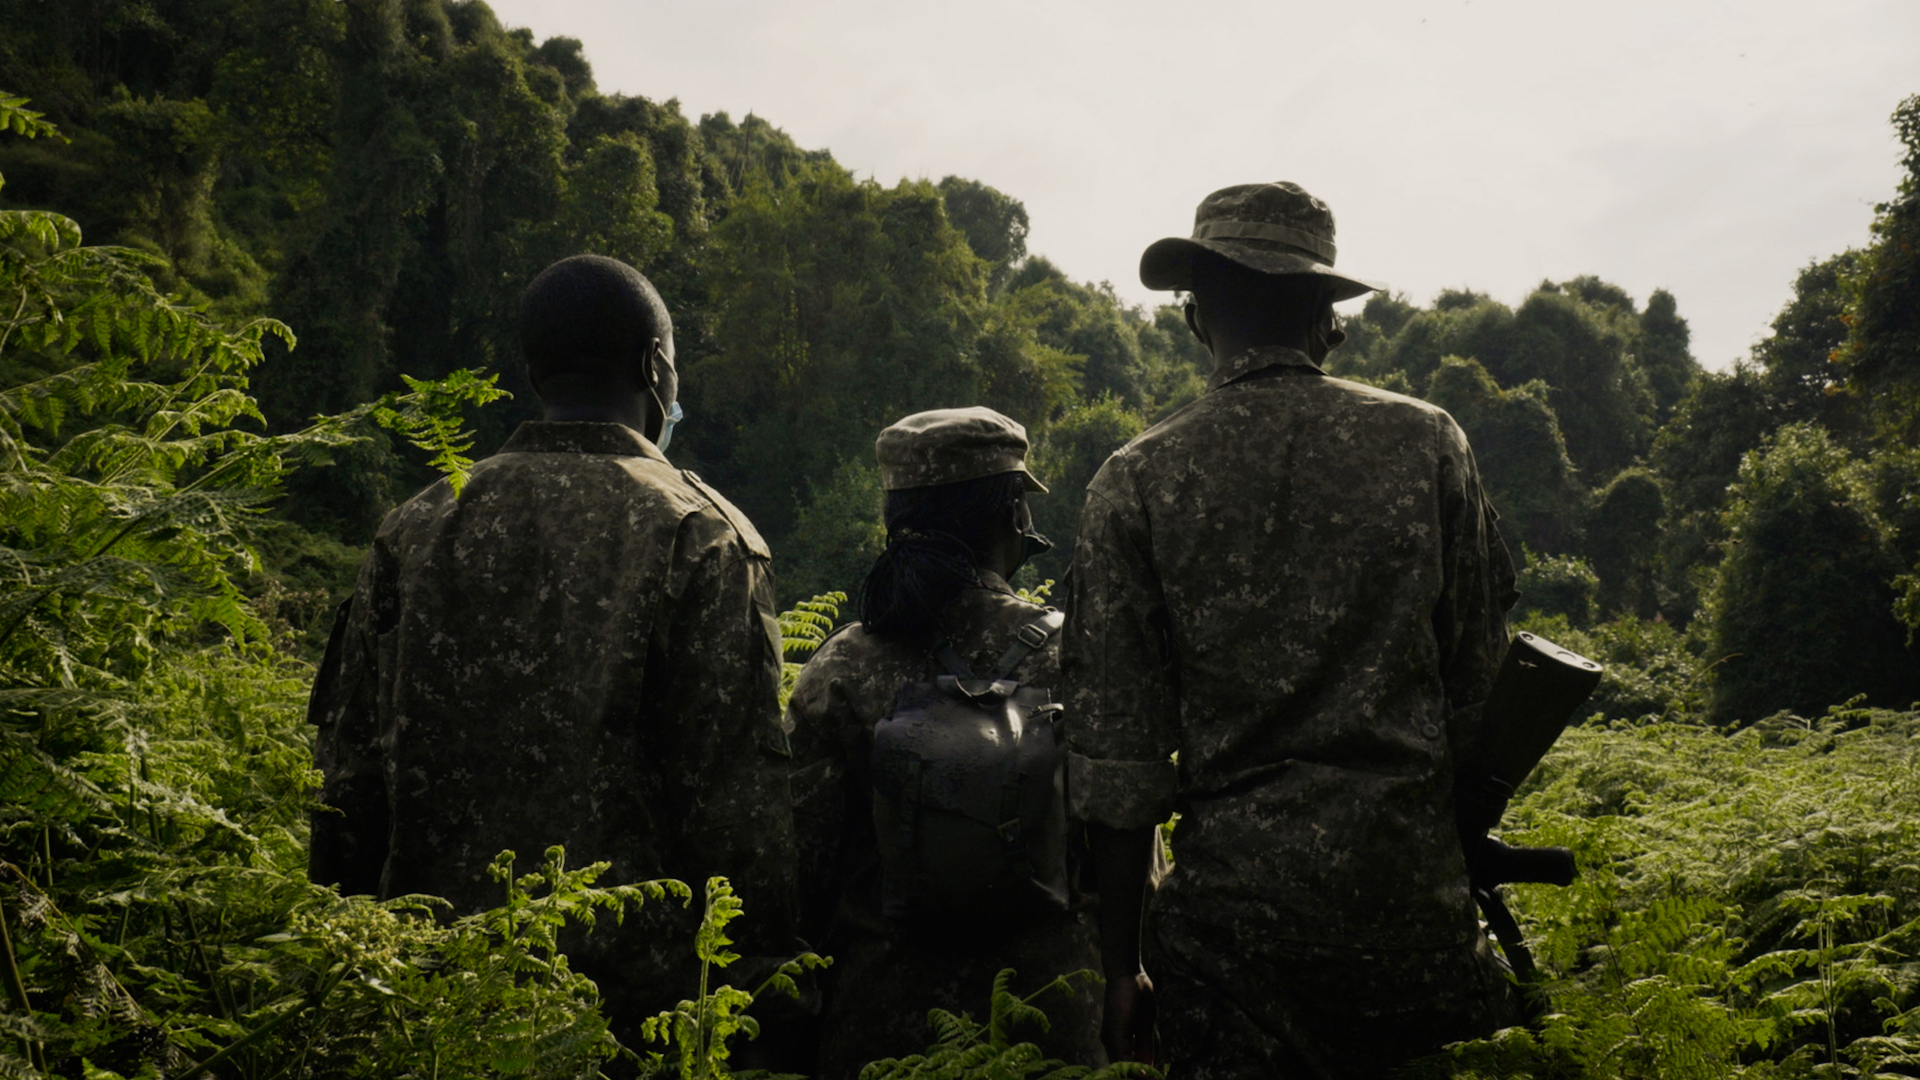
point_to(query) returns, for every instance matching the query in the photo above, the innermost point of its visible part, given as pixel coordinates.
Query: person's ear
(1190, 311)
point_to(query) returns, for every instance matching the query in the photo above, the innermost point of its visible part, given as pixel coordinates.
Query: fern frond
(428, 415)
(17, 118)
(38, 787)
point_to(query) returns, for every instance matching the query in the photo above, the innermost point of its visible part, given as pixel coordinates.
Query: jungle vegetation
(258, 264)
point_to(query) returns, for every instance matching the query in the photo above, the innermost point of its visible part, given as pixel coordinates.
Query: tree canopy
(1740, 548)
(384, 176)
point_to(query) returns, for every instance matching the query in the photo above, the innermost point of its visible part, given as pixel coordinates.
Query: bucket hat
(946, 446)
(1275, 228)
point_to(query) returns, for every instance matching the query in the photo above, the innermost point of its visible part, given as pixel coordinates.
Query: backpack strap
(1029, 637)
(956, 667)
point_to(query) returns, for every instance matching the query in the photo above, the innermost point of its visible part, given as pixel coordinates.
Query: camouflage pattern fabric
(1296, 584)
(1275, 228)
(582, 650)
(883, 983)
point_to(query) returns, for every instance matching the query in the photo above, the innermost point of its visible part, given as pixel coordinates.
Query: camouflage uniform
(581, 650)
(1287, 583)
(882, 984)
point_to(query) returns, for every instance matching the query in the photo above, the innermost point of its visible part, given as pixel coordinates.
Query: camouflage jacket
(1297, 585)
(842, 692)
(890, 983)
(582, 650)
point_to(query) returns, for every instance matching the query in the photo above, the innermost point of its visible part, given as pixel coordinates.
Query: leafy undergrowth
(966, 1048)
(1748, 906)
(163, 926)
(155, 764)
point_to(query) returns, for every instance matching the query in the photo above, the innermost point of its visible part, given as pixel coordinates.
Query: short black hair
(590, 315)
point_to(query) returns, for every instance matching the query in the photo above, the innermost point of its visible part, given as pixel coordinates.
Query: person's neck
(633, 413)
(1229, 342)
(1004, 554)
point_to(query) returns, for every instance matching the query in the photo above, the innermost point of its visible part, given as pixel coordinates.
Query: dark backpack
(969, 803)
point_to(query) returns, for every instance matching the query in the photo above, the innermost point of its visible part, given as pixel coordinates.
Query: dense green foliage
(1525, 466)
(1802, 608)
(1881, 354)
(1777, 504)
(1748, 907)
(155, 758)
(966, 1048)
(384, 174)
(155, 915)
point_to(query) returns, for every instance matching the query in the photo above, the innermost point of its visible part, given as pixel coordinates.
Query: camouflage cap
(945, 446)
(1276, 228)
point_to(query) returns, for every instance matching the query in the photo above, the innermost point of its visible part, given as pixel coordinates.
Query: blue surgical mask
(674, 416)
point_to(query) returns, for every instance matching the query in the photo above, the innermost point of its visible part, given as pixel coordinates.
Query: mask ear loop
(1334, 336)
(668, 416)
(1032, 543)
(1190, 311)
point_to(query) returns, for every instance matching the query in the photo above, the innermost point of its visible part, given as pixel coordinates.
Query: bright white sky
(1709, 147)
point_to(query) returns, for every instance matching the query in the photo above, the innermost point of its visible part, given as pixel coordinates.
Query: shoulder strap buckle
(1028, 638)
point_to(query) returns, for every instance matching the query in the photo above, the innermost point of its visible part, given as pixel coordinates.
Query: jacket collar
(580, 437)
(1253, 360)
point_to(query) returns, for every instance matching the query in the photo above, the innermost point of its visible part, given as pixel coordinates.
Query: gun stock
(1534, 697)
(1539, 686)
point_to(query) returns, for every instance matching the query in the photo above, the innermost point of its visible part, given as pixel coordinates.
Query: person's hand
(1127, 1024)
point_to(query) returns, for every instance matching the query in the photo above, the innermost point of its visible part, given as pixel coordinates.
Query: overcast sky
(1709, 148)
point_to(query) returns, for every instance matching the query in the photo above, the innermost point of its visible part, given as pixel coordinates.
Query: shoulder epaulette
(749, 535)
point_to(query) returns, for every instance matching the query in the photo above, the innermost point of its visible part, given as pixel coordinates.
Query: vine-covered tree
(1661, 352)
(1881, 353)
(840, 306)
(1581, 340)
(1517, 444)
(1580, 350)
(1882, 349)
(1623, 538)
(1072, 450)
(1798, 358)
(1696, 456)
(1802, 605)
(994, 223)
(1086, 321)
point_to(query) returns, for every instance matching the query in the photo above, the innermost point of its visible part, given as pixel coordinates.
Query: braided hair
(934, 537)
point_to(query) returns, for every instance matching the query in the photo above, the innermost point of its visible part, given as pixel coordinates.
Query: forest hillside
(259, 262)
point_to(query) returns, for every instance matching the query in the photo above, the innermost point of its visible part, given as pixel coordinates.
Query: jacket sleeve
(828, 778)
(1118, 666)
(350, 826)
(726, 783)
(1470, 620)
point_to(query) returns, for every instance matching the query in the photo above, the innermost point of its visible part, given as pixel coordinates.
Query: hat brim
(1168, 264)
(1033, 483)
